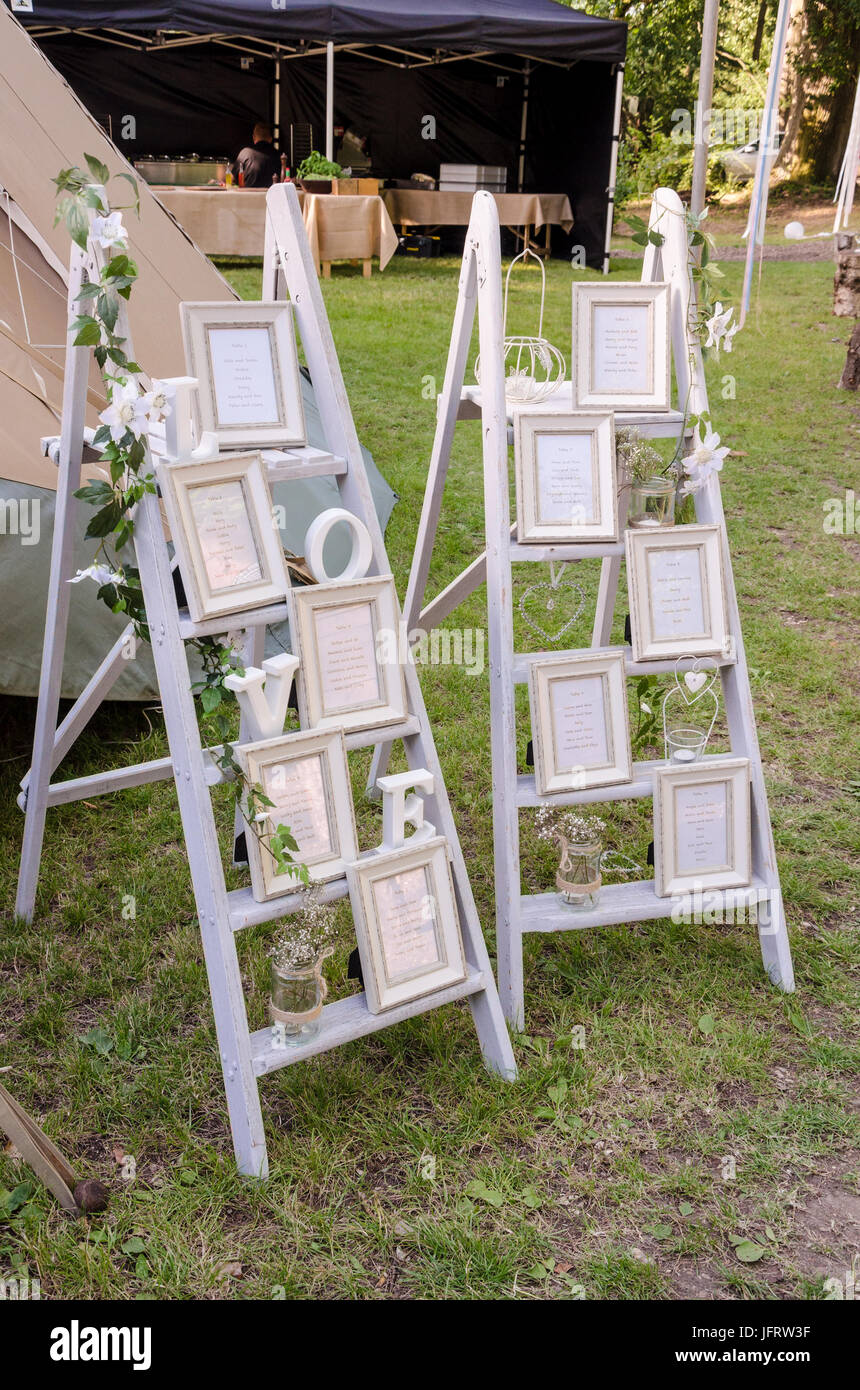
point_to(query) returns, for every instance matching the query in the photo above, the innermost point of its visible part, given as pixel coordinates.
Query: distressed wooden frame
(588, 297)
(707, 540)
(529, 429)
(734, 774)
(289, 428)
(432, 857)
(256, 759)
(177, 481)
(609, 667)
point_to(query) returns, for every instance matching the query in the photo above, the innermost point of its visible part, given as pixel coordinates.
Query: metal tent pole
(766, 150)
(524, 123)
(613, 165)
(329, 100)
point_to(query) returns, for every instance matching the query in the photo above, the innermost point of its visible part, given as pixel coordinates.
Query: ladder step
(581, 550)
(209, 627)
(522, 661)
(290, 465)
(641, 785)
(350, 1018)
(245, 911)
(622, 903)
(652, 424)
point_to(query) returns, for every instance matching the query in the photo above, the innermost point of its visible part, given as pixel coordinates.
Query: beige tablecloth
(231, 222)
(418, 208)
(348, 228)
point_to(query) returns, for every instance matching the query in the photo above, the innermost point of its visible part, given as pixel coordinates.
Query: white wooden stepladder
(245, 1056)
(480, 287)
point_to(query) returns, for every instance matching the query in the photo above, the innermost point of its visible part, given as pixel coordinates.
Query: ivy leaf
(107, 309)
(96, 492)
(89, 334)
(134, 184)
(210, 698)
(99, 171)
(77, 223)
(104, 521)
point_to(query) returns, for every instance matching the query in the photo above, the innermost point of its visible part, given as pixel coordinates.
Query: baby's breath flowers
(310, 934)
(636, 457)
(550, 823)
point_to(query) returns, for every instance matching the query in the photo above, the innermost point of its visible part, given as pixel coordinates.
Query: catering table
(408, 207)
(231, 222)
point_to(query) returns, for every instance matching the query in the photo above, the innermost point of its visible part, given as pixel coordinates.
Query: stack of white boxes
(469, 178)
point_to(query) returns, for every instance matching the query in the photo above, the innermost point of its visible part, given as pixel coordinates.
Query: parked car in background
(741, 163)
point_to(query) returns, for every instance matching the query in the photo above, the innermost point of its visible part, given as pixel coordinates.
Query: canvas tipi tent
(46, 128)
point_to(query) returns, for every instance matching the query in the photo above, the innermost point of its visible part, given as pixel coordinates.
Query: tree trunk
(851, 375)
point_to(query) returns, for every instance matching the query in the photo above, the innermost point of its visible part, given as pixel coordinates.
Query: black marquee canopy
(529, 84)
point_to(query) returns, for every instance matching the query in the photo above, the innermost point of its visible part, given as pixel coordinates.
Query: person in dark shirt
(258, 164)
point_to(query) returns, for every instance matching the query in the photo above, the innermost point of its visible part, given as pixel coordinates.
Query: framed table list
(220, 517)
(306, 777)
(580, 722)
(677, 592)
(621, 348)
(406, 924)
(565, 477)
(702, 826)
(244, 358)
(346, 634)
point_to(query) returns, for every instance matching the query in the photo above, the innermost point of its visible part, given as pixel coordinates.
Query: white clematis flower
(156, 403)
(124, 412)
(109, 231)
(706, 458)
(102, 574)
(721, 330)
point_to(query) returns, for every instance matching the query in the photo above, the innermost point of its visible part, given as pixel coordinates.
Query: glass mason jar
(578, 876)
(652, 503)
(296, 1000)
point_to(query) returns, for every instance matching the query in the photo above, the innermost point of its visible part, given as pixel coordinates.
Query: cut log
(846, 284)
(851, 375)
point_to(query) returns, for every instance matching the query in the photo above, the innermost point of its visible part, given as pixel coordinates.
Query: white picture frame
(406, 924)
(566, 488)
(702, 826)
(223, 529)
(677, 591)
(580, 721)
(621, 358)
(355, 620)
(244, 357)
(306, 775)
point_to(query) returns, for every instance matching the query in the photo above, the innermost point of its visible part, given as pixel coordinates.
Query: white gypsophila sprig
(312, 931)
(550, 822)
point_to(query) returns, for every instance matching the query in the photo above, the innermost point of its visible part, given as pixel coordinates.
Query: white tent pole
(705, 101)
(848, 173)
(766, 151)
(613, 165)
(329, 100)
(524, 124)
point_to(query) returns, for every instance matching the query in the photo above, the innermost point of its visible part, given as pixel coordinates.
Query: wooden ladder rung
(623, 903)
(522, 661)
(641, 785)
(347, 1019)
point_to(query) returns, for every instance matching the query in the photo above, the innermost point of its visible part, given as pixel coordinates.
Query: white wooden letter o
(317, 533)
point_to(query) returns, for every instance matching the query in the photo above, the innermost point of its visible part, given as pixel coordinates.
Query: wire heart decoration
(698, 684)
(554, 587)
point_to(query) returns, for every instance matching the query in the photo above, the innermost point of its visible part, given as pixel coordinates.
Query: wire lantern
(533, 367)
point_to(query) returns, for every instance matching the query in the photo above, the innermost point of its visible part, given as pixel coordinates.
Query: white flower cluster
(550, 822)
(706, 458)
(307, 936)
(134, 410)
(720, 328)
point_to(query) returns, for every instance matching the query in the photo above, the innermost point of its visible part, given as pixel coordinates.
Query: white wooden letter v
(263, 695)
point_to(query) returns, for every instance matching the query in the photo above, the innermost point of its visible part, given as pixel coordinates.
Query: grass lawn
(704, 1107)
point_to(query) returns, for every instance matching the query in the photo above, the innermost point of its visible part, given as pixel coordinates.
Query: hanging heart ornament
(553, 594)
(699, 680)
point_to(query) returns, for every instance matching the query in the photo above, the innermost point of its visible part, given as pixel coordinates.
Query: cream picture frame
(311, 773)
(621, 358)
(222, 527)
(677, 591)
(406, 924)
(243, 354)
(578, 700)
(347, 636)
(692, 849)
(552, 474)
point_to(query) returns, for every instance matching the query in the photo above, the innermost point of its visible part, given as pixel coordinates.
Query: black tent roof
(543, 29)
